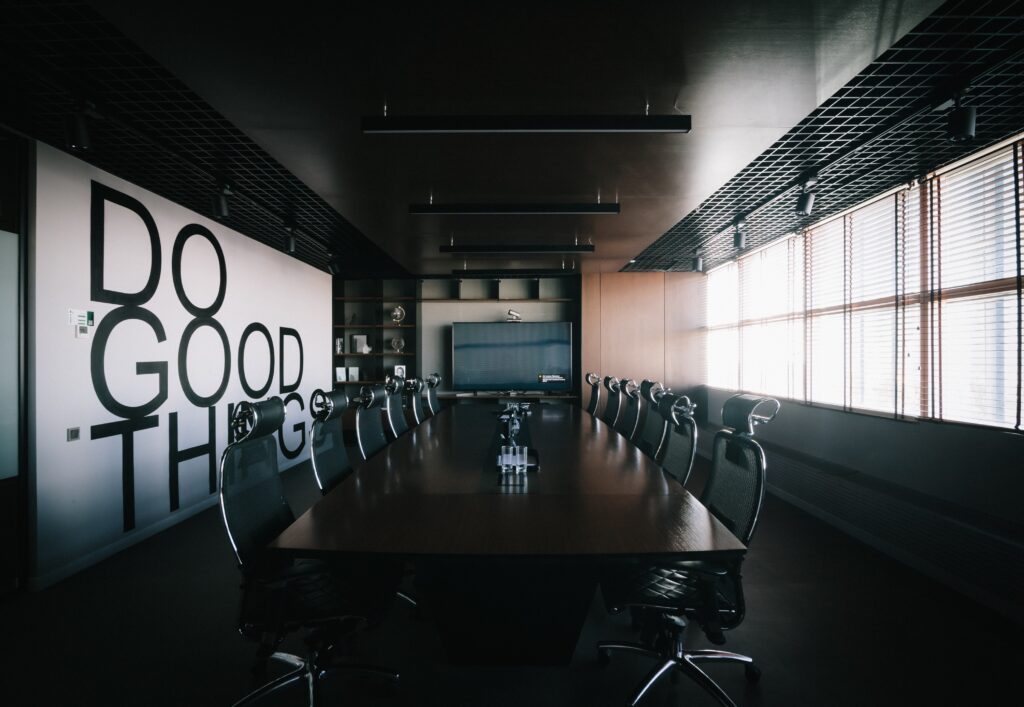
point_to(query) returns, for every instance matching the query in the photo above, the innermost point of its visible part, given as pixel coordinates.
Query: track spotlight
(333, 266)
(289, 227)
(221, 209)
(805, 203)
(77, 131)
(697, 263)
(960, 121)
(739, 238)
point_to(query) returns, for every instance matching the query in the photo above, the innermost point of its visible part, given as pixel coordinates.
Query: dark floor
(830, 621)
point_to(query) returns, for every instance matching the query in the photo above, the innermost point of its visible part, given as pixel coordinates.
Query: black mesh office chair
(327, 451)
(709, 593)
(679, 448)
(653, 425)
(433, 404)
(611, 408)
(594, 381)
(629, 414)
(414, 388)
(394, 386)
(278, 596)
(369, 423)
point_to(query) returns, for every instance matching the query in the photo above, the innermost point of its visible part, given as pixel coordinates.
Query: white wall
(83, 504)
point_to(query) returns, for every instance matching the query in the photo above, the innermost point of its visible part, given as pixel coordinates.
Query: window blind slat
(907, 305)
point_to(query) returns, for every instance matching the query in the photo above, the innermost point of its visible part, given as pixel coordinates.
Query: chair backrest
(414, 387)
(594, 381)
(653, 426)
(369, 423)
(629, 414)
(252, 501)
(611, 408)
(433, 404)
(327, 451)
(735, 487)
(397, 424)
(679, 447)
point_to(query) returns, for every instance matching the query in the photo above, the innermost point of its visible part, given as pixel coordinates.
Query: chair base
(311, 671)
(675, 657)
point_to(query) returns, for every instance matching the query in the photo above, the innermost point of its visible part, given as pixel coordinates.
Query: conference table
(509, 571)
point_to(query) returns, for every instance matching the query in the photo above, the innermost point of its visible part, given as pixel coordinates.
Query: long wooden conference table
(509, 572)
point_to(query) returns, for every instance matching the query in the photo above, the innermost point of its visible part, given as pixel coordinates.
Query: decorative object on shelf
(353, 318)
(353, 374)
(514, 316)
(397, 314)
(397, 343)
(339, 374)
(400, 371)
(339, 345)
(359, 344)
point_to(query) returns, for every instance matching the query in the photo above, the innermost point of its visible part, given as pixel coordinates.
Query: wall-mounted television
(512, 356)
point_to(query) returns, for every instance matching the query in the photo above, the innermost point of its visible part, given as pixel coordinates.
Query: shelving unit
(363, 308)
(431, 304)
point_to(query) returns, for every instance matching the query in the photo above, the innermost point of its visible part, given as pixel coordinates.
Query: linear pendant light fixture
(570, 209)
(501, 248)
(468, 124)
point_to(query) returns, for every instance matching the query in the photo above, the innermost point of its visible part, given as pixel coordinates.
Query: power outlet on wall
(73, 434)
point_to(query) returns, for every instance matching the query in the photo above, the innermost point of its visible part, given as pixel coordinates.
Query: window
(908, 305)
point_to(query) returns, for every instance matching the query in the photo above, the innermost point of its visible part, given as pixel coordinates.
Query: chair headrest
(593, 379)
(433, 380)
(252, 420)
(651, 390)
(742, 412)
(630, 388)
(414, 385)
(394, 384)
(673, 406)
(372, 396)
(611, 383)
(327, 406)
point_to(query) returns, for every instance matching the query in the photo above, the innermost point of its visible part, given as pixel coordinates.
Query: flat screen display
(512, 356)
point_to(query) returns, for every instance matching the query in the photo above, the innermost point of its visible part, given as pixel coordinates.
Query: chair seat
(671, 588)
(313, 592)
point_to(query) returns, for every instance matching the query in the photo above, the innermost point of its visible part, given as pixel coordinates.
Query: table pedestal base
(507, 612)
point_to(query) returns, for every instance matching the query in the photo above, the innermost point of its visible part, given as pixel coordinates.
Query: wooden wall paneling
(633, 325)
(685, 319)
(590, 323)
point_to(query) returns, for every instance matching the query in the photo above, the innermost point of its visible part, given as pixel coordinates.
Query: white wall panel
(81, 493)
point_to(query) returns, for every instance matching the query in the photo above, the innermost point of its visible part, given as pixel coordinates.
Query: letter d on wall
(97, 235)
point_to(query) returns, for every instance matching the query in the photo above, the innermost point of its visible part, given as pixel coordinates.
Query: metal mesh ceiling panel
(879, 131)
(152, 130)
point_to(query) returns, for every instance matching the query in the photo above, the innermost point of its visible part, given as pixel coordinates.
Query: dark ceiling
(190, 91)
(298, 82)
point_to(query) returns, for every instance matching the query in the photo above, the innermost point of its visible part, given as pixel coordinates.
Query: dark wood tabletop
(435, 492)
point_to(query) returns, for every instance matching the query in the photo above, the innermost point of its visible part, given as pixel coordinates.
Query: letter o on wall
(186, 385)
(194, 229)
(249, 331)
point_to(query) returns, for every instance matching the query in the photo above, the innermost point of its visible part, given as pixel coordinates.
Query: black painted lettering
(249, 331)
(282, 333)
(186, 385)
(194, 229)
(126, 429)
(97, 237)
(299, 427)
(175, 456)
(98, 353)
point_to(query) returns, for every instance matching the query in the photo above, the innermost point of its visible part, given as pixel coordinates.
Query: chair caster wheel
(603, 657)
(752, 672)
